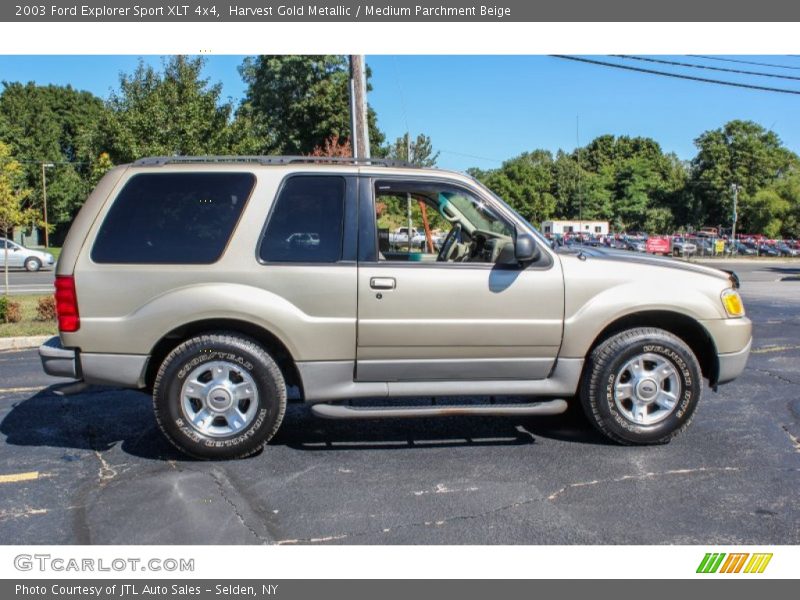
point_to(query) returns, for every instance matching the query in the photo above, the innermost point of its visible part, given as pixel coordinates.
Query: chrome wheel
(219, 399)
(647, 389)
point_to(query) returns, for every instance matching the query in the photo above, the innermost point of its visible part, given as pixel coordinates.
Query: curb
(21, 343)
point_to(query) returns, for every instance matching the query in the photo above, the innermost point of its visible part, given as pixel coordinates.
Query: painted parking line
(20, 390)
(767, 349)
(18, 477)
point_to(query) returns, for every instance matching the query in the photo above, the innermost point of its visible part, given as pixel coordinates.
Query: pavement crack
(640, 476)
(507, 507)
(328, 538)
(415, 524)
(106, 472)
(793, 438)
(443, 489)
(232, 504)
(774, 375)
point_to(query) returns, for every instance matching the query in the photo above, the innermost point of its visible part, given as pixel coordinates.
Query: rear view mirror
(525, 248)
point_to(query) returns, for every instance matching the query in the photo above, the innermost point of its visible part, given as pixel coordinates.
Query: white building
(550, 228)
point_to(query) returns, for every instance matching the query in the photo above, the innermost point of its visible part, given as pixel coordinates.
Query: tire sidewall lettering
(686, 381)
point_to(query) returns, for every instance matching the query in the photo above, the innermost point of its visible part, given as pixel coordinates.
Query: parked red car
(658, 245)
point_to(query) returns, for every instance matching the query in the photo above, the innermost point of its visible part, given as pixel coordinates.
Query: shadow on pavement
(98, 419)
(783, 270)
(302, 431)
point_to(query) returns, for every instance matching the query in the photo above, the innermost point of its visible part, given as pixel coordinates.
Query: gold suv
(219, 283)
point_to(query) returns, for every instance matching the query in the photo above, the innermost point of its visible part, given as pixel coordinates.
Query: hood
(625, 256)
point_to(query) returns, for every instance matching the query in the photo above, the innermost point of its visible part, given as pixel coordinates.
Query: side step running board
(339, 411)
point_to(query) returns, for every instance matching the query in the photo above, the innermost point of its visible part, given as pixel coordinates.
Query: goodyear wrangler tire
(219, 396)
(641, 386)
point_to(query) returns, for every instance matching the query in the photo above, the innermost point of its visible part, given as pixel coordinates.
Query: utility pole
(580, 195)
(44, 199)
(735, 189)
(358, 107)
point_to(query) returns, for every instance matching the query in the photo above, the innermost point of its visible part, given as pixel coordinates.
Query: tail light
(67, 304)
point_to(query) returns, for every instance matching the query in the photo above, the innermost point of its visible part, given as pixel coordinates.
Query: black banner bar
(399, 10)
(398, 589)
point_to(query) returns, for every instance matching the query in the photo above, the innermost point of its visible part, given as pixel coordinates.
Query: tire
(219, 396)
(32, 264)
(627, 400)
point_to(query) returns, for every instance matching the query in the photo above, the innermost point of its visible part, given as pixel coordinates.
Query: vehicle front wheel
(219, 396)
(32, 264)
(641, 386)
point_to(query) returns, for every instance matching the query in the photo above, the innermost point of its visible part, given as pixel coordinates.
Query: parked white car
(24, 258)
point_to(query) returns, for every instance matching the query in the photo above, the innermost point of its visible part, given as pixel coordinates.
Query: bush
(10, 312)
(46, 309)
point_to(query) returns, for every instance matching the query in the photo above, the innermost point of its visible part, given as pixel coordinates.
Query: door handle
(382, 283)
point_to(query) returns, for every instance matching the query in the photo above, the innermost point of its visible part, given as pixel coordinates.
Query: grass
(54, 250)
(29, 325)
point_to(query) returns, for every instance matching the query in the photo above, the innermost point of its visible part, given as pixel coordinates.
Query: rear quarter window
(172, 218)
(306, 224)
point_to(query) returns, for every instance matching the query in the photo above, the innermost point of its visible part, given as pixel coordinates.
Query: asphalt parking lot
(93, 468)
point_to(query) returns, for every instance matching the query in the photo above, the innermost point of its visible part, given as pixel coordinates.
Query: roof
(157, 161)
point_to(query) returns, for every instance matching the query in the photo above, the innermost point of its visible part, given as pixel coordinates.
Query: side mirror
(525, 248)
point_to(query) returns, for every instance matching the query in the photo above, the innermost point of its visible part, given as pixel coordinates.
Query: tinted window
(306, 222)
(184, 218)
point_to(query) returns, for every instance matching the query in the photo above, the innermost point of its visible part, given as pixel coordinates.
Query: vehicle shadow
(95, 419)
(99, 418)
(783, 270)
(301, 430)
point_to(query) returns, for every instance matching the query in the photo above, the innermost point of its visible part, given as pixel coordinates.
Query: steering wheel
(454, 233)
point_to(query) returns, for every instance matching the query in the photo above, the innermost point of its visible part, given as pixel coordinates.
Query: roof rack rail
(158, 161)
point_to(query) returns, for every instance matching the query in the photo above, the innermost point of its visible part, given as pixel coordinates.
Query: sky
(481, 110)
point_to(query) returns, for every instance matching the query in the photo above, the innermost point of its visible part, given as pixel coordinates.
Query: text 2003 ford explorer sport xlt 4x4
(219, 282)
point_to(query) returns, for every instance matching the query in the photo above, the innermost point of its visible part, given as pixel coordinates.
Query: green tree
(100, 167)
(788, 188)
(526, 183)
(170, 112)
(628, 177)
(295, 103)
(658, 220)
(742, 153)
(764, 212)
(52, 124)
(422, 153)
(13, 194)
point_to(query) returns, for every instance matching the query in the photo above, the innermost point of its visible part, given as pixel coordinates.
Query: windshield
(533, 229)
(474, 210)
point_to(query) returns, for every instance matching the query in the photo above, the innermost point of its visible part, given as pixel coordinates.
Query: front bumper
(732, 364)
(732, 339)
(121, 370)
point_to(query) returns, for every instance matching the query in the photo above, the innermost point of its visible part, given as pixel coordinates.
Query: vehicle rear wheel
(32, 264)
(219, 396)
(641, 386)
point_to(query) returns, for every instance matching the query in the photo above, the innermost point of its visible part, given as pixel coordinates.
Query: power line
(744, 62)
(471, 156)
(677, 76)
(707, 67)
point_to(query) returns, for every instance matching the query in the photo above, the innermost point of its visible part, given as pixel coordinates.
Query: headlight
(732, 302)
